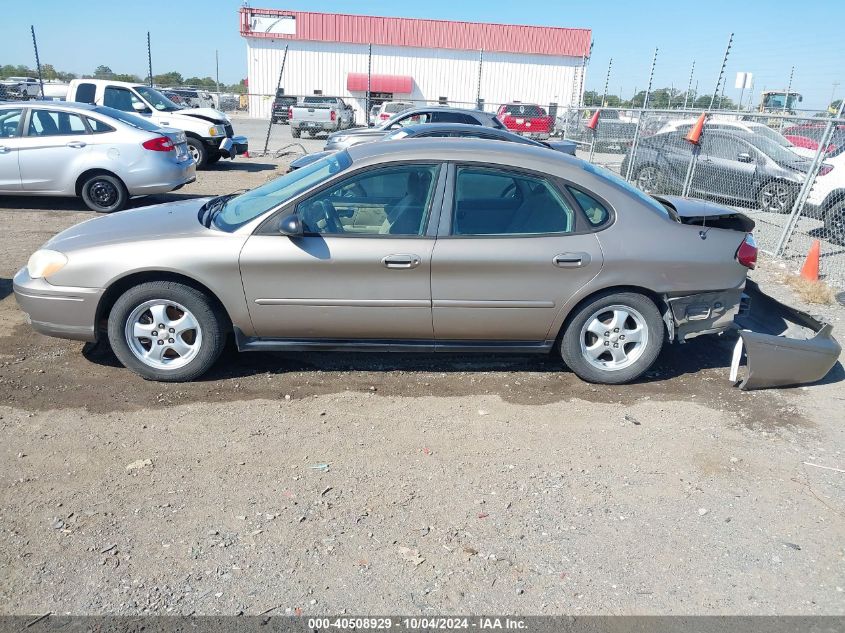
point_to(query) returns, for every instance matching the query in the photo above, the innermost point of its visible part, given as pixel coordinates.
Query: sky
(770, 37)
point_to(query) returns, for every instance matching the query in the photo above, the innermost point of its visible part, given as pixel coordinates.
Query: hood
(207, 114)
(708, 214)
(804, 152)
(161, 221)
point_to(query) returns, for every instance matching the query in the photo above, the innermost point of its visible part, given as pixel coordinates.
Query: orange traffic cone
(694, 135)
(245, 154)
(810, 269)
(594, 120)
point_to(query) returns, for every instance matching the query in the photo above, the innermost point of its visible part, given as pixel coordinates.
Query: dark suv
(281, 107)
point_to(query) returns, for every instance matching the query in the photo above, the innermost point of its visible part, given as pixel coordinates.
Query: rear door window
(490, 201)
(453, 117)
(86, 93)
(595, 211)
(120, 99)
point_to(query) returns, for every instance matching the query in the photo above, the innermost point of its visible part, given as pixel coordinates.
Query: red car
(810, 134)
(527, 119)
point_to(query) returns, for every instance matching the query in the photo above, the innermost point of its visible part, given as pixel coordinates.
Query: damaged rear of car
(783, 346)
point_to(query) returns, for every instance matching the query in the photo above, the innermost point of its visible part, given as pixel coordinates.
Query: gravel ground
(320, 483)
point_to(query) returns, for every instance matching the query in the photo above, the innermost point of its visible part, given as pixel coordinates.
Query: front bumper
(61, 311)
(775, 359)
(228, 146)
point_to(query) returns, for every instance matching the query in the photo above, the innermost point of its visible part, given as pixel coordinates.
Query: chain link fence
(785, 172)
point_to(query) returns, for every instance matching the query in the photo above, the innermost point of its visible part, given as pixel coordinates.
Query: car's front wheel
(166, 331)
(651, 180)
(777, 197)
(198, 152)
(104, 193)
(613, 338)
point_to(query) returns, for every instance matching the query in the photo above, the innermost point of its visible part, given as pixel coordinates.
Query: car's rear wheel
(777, 197)
(295, 132)
(198, 152)
(613, 338)
(104, 193)
(166, 331)
(651, 180)
(834, 223)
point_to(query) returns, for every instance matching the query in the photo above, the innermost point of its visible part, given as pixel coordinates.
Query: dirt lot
(383, 484)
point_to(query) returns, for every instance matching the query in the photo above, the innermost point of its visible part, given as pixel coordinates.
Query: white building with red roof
(424, 61)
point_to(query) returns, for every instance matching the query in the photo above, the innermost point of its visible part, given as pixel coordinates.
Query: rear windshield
(620, 182)
(248, 206)
(319, 100)
(767, 132)
(128, 119)
(397, 107)
(524, 109)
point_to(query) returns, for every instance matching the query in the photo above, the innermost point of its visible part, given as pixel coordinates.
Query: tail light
(333, 115)
(290, 113)
(384, 116)
(159, 144)
(746, 254)
(824, 170)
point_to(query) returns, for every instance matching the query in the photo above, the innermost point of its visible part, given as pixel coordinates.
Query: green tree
(172, 78)
(103, 72)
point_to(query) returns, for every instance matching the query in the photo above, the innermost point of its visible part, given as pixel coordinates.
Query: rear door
(510, 253)
(10, 131)
(727, 167)
(54, 144)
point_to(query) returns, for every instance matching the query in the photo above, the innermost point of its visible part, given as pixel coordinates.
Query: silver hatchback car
(425, 245)
(103, 155)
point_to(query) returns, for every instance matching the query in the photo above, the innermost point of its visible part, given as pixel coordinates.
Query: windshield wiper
(212, 208)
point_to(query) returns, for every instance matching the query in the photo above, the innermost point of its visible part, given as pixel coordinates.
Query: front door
(726, 168)
(54, 143)
(362, 269)
(10, 176)
(511, 259)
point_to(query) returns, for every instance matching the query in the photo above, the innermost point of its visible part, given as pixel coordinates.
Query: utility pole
(217, 72)
(369, 81)
(478, 90)
(721, 72)
(788, 90)
(149, 59)
(606, 81)
(650, 79)
(689, 85)
(37, 59)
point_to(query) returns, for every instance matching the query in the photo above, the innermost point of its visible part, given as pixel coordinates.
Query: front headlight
(339, 139)
(44, 263)
(217, 130)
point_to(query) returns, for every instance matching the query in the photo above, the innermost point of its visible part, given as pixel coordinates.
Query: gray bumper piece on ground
(776, 360)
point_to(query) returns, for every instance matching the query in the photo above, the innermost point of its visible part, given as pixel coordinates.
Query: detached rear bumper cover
(775, 360)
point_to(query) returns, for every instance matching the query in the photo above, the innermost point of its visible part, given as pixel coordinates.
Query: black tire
(209, 337)
(274, 120)
(104, 193)
(651, 179)
(642, 312)
(834, 223)
(199, 152)
(295, 132)
(214, 159)
(777, 197)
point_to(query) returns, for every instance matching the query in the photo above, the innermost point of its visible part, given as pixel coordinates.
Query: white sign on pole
(743, 81)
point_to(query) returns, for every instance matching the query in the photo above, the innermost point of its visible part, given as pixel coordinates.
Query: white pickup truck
(209, 132)
(320, 114)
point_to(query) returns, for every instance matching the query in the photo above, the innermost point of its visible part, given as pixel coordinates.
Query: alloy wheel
(648, 179)
(614, 337)
(163, 334)
(776, 197)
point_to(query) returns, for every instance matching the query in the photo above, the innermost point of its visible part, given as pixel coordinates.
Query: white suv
(827, 197)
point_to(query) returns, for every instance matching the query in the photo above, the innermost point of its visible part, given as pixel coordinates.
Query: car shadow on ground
(821, 233)
(34, 203)
(5, 288)
(242, 165)
(676, 360)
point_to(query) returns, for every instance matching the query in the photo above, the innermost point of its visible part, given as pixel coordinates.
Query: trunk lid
(706, 214)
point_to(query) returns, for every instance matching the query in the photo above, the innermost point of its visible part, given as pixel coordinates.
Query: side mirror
(139, 107)
(291, 226)
(744, 157)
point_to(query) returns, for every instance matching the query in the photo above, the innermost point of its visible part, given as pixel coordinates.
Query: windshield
(157, 100)
(248, 206)
(624, 184)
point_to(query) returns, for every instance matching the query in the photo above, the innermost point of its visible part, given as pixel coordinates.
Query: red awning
(357, 82)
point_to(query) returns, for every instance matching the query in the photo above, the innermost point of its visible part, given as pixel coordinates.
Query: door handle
(76, 144)
(4, 149)
(571, 260)
(401, 261)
